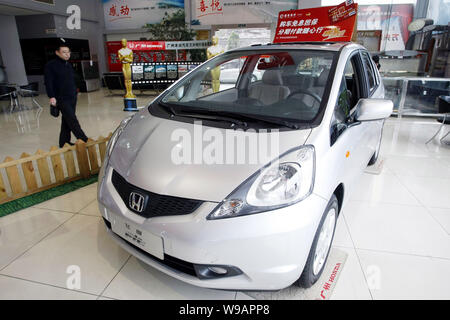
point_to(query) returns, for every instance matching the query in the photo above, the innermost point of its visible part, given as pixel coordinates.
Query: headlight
(115, 136)
(281, 183)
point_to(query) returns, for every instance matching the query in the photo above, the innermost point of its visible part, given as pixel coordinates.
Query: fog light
(218, 270)
(215, 271)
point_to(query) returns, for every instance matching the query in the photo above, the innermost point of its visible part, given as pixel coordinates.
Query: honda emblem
(137, 202)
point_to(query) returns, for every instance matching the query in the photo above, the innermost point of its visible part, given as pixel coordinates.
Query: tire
(313, 268)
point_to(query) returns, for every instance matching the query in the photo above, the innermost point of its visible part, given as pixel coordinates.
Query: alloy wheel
(324, 242)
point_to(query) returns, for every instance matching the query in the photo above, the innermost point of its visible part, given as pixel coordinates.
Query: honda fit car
(240, 187)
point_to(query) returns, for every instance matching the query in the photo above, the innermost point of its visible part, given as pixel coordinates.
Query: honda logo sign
(137, 202)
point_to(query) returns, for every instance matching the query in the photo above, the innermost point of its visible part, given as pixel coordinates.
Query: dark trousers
(69, 122)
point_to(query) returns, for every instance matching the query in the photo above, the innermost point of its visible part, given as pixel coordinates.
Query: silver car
(259, 214)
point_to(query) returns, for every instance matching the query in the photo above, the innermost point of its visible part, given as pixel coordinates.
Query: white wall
(11, 51)
(304, 4)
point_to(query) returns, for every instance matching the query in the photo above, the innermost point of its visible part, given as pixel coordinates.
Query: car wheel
(321, 245)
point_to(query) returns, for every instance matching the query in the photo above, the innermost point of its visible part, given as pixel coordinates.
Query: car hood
(146, 156)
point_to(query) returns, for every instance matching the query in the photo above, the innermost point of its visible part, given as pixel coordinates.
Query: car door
(348, 136)
(375, 89)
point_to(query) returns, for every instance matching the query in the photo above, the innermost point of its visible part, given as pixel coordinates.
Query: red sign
(342, 12)
(335, 23)
(146, 45)
(143, 51)
(113, 58)
(215, 7)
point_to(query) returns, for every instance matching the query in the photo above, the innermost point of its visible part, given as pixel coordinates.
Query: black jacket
(59, 80)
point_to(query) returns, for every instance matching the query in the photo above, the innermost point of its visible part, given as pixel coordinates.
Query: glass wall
(418, 96)
(411, 40)
(390, 17)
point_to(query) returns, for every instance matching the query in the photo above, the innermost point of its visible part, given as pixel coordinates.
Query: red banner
(335, 23)
(143, 51)
(146, 45)
(113, 59)
(342, 12)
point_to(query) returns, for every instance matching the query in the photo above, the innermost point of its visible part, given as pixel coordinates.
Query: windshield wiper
(168, 108)
(260, 118)
(212, 114)
(203, 115)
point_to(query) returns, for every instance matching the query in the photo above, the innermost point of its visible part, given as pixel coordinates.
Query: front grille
(169, 261)
(157, 205)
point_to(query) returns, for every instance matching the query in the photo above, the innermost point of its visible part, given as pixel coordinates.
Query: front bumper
(270, 248)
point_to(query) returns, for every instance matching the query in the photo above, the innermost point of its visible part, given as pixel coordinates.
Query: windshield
(286, 85)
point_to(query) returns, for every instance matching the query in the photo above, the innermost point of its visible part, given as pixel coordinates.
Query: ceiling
(13, 11)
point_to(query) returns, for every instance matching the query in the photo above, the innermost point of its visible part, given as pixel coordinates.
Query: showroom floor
(395, 229)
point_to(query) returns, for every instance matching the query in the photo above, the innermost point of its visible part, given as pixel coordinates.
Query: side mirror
(373, 109)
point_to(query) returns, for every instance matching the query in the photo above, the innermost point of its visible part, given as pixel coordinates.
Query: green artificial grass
(34, 199)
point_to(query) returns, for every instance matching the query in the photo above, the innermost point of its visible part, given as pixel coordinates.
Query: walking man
(61, 89)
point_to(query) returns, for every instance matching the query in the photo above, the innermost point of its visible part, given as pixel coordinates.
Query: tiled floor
(395, 229)
(98, 112)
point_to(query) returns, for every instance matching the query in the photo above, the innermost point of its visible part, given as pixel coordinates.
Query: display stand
(130, 104)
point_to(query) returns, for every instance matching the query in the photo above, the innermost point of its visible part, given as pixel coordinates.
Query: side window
(367, 60)
(350, 87)
(342, 110)
(348, 96)
(376, 71)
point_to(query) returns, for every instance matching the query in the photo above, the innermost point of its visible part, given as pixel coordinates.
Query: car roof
(327, 46)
